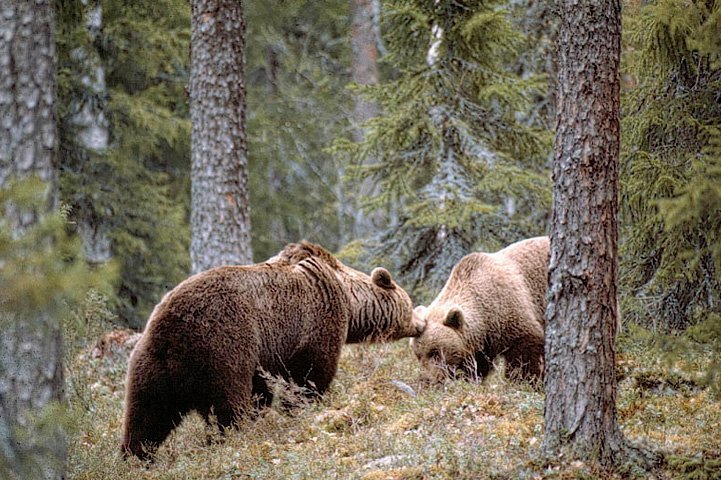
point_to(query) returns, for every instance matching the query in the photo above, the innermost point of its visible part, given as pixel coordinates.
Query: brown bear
(208, 341)
(492, 304)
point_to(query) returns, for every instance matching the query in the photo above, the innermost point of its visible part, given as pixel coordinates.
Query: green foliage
(698, 467)
(457, 170)
(539, 24)
(671, 162)
(296, 73)
(137, 191)
(42, 268)
(42, 277)
(708, 333)
(696, 205)
(86, 322)
(677, 355)
(297, 103)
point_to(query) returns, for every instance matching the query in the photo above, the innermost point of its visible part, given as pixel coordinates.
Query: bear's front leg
(313, 369)
(479, 366)
(229, 397)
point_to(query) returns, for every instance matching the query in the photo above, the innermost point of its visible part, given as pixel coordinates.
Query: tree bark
(30, 343)
(93, 133)
(220, 212)
(365, 59)
(580, 384)
(27, 97)
(364, 69)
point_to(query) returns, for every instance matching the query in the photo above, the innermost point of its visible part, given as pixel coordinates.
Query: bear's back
(530, 258)
(485, 282)
(278, 306)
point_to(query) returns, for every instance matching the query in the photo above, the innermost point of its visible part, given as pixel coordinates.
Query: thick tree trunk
(220, 213)
(31, 379)
(27, 96)
(580, 382)
(30, 343)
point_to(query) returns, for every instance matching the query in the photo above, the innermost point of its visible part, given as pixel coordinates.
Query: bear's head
(381, 310)
(441, 348)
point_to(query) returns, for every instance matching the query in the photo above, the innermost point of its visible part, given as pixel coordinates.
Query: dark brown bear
(492, 304)
(208, 340)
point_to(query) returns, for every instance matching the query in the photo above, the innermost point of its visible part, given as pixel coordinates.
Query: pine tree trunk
(364, 70)
(365, 59)
(580, 384)
(220, 212)
(30, 344)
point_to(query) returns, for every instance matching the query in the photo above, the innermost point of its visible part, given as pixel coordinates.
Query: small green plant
(702, 466)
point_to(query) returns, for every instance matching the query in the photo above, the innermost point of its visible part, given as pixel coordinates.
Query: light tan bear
(492, 304)
(209, 340)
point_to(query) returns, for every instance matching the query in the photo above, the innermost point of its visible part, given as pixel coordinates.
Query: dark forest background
(455, 156)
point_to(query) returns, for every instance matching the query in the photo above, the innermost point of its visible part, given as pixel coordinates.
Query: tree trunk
(581, 315)
(93, 133)
(364, 68)
(30, 343)
(365, 60)
(220, 213)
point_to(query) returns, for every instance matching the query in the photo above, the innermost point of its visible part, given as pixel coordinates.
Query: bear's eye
(434, 354)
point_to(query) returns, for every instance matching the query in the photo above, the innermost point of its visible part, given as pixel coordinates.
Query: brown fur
(207, 342)
(492, 304)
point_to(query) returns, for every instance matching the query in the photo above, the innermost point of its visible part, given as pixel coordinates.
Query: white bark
(432, 56)
(437, 33)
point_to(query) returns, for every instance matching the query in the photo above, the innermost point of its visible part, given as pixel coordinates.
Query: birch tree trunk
(220, 212)
(581, 316)
(30, 342)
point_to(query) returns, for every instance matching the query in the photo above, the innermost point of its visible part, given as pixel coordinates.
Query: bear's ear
(382, 277)
(454, 318)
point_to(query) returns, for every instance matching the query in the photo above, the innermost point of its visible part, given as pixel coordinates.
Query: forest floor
(379, 422)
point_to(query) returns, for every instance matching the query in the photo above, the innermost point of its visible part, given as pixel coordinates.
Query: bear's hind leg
(152, 410)
(147, 424)
(146, 435)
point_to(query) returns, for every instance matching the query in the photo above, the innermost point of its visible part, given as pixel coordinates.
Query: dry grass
(379, 422)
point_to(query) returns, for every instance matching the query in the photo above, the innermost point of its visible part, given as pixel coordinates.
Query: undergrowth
(378, 421)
